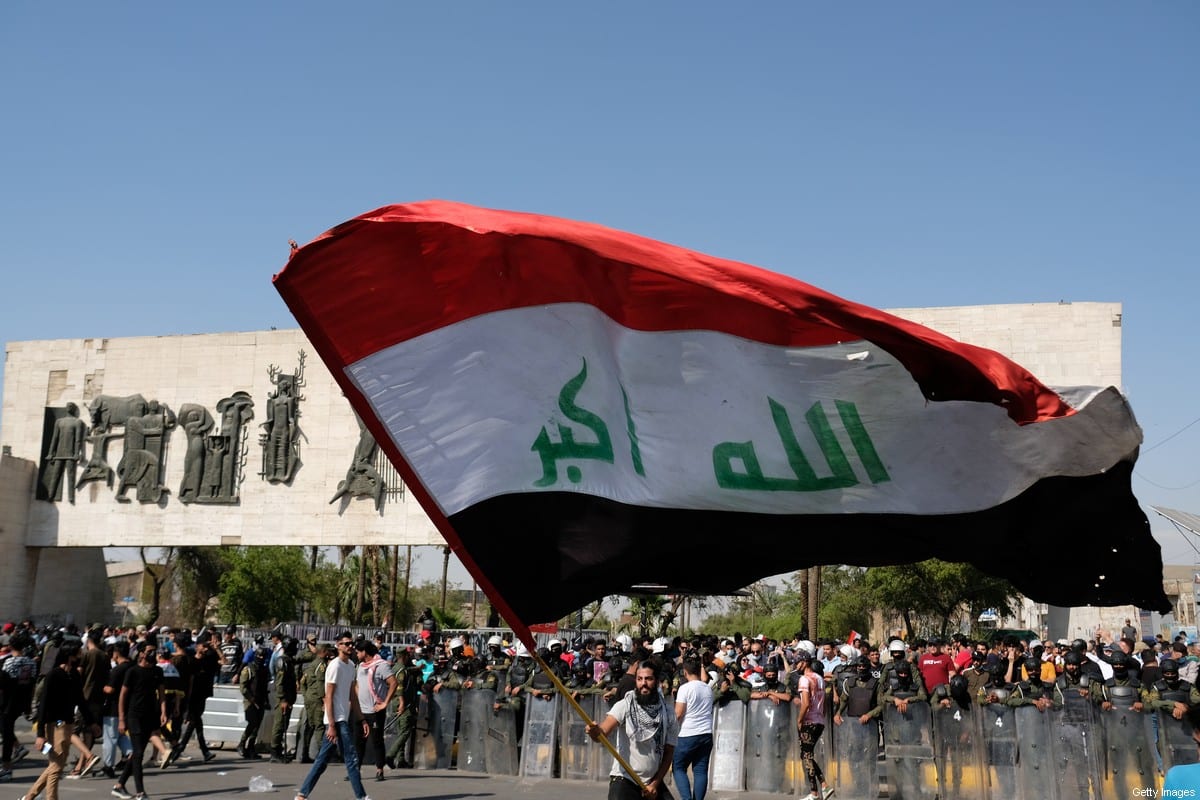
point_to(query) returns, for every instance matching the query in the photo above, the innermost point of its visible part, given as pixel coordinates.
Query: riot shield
(854, 769)
(443, 714)
(1036, 773)
(473, 729)
(500, 746)
(1175, 741)
(1129, 764)
(908, 745)
(425, 745)
(958, 750)
(1078, 749)
(541, 736)
(999, 749)
(575, 748)
(604, 759)
(770, 735)
(729, 734)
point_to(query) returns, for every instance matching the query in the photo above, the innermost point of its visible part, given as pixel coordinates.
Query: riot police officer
(285, 697)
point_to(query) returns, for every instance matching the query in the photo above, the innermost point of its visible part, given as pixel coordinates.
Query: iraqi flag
(582, 410)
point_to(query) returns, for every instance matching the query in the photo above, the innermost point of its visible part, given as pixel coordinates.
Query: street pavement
(228, 776)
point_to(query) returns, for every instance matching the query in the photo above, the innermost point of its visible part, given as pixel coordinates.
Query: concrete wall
(200, 369)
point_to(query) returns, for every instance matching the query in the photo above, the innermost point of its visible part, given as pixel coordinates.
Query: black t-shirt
(204, 673)
(143, 709)
(116, 679)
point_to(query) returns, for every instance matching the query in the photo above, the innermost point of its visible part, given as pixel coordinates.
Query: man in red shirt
(961, 652)
(936, 667)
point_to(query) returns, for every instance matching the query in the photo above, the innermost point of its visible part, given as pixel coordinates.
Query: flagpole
(558, 684)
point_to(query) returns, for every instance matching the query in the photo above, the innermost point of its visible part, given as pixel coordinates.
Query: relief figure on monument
(142, 462)
(362, 479)
(280, 439)
(196, 423)
(63, 455)
(214, 461)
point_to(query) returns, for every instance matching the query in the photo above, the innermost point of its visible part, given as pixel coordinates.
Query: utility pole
(445, 571)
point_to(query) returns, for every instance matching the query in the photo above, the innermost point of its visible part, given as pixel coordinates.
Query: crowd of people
(110, 695)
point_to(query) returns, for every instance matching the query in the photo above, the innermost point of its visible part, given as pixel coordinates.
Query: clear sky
(155, 158)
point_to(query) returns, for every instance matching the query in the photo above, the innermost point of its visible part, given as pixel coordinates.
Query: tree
(197, 574)
(159, 574)
(262, 585)
(845, 605)
(929, 593)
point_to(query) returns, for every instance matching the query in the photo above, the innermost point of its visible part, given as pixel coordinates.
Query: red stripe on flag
(405, 270)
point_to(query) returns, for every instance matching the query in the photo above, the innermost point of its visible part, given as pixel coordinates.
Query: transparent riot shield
(576, 753)
(1129, 764)
(770, 736)
(958, 750)
(604, 759)
(473, 729)
(999, 749)
(1037, 777)
(854, 769)
(726, 764)
(1078, 749)
(908, 745)
(500, 746)
(424, 746)
(541, 736)
(1175, 741)
(443, 717)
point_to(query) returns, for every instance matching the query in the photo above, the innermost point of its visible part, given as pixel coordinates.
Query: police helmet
(1072, 657)
(290, 645)
(495, 641)
(1168, 665)
(1033, 666)
(456, 643)
(904, 669)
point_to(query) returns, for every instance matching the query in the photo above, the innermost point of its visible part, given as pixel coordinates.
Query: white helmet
(456, 642)
(522, 651)
(625, 642)
(660, 646)
(550, 644)
(495, 640)
(896, 646)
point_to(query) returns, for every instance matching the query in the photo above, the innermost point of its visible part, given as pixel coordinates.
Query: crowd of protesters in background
(106, 696)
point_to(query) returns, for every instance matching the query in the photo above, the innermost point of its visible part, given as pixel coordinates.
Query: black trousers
(139, 737)
(194, 724)
(254, 718)
(625, 789)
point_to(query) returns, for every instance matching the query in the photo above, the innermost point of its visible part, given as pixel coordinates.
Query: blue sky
(156, 158)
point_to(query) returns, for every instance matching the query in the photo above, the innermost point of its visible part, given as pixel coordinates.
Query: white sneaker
(811, 796)
(826, 794)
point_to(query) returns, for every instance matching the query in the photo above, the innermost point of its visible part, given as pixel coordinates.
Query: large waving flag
(581, 410)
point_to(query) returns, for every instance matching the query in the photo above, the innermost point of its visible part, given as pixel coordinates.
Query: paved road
(228, 775)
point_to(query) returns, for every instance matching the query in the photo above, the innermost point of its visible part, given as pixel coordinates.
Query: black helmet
(1119, 661)
(1168, 665)
(290, 646)
(1079, 645)
(904, 669)
(259, 638)
(1033, 666)
(1073, 657)
(960, 691)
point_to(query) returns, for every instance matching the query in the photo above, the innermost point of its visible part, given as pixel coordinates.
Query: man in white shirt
(693, 710)
(646, 735)
(341, 708)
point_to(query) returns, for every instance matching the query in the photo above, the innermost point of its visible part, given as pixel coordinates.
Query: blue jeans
(114, 741)
(692, 751)
(328, 748)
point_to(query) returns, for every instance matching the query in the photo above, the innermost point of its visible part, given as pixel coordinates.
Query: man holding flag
(646, 735)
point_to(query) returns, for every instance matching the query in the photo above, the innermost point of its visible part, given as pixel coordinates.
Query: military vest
(860, 697)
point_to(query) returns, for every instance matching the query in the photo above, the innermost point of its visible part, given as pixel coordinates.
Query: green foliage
(197, 571)
(263, 585)
(844, 603)
(930, 593)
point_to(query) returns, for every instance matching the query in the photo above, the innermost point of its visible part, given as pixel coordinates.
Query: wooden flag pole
(558, 684)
